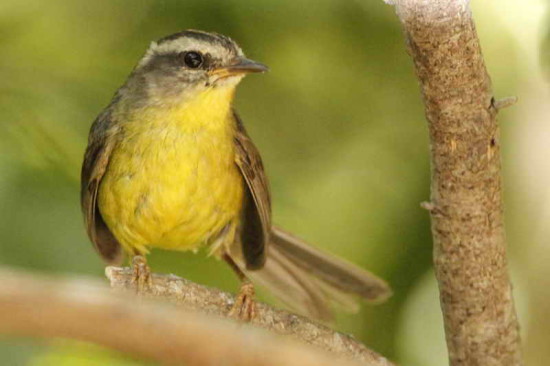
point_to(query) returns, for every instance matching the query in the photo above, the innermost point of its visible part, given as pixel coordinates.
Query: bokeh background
(340, 125)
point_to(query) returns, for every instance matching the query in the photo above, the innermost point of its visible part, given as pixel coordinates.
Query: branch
(32, 305)
(194, 297)
(466, 199)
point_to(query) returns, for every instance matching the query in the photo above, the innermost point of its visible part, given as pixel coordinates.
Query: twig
(36, 305)
(192, 296)
(504, 102)
(466, 200)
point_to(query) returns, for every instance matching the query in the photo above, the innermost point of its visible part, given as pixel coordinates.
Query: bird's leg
(142, 274)
(244, 308)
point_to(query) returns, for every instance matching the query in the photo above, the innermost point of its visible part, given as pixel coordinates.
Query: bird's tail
(310, 281)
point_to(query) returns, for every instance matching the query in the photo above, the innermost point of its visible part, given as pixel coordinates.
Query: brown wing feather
(256, 217)
(96, 158)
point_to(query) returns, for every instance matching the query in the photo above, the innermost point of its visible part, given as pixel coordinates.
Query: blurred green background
(340, 125)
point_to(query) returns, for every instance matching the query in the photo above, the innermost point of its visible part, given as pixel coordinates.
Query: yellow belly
(172, 183)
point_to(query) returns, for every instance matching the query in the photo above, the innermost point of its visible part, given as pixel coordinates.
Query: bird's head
(185, 64)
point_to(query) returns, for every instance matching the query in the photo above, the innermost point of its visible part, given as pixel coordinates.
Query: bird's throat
(209, 109)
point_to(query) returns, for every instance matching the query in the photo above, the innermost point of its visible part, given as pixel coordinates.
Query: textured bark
(466, 199)
(192, 296)
(33, 305)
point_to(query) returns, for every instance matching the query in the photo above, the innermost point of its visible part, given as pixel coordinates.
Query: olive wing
(256, 216)
(100, 145)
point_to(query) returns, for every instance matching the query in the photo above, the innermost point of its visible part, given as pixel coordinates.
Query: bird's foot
(244, 308)
(142, 274)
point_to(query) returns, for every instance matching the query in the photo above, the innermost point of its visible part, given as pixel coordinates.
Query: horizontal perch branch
(214, 302)
(34, 305)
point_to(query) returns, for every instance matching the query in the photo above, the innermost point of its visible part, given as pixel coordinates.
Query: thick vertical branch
(466, 200)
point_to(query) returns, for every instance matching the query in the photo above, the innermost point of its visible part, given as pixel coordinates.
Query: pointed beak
(239, 65)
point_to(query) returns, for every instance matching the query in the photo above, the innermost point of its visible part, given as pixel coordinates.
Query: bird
(169, 165)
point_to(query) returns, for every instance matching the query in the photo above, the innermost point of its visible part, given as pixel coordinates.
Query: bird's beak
(239, 65)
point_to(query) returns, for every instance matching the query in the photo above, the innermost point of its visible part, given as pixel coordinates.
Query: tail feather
(334, 271)
(310, 281)
(290, 285)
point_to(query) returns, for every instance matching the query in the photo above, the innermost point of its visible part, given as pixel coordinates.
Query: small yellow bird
(169, 165)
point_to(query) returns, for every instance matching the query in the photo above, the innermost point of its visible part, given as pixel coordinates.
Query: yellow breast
(172, 181)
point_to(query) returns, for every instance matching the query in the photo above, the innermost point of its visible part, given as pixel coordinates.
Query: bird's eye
(193, 59)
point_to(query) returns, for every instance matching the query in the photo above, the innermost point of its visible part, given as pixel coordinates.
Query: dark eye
(193, 59)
